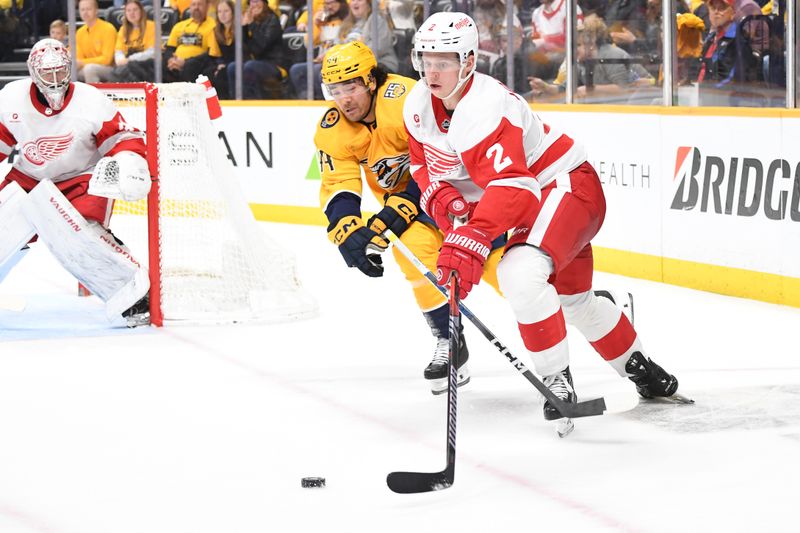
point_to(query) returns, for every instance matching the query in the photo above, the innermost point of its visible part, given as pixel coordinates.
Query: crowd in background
(728, 52)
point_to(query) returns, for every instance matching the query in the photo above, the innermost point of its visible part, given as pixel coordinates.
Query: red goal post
(208, 259)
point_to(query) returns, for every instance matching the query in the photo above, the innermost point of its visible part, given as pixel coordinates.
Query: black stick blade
(415, 482)
(588, 408)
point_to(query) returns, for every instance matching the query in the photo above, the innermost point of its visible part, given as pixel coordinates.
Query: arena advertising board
(709, 189)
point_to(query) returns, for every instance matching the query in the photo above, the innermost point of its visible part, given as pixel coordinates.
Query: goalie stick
(570, 410)
(415, 482)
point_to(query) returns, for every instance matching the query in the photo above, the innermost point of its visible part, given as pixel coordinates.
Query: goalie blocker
(84, 248)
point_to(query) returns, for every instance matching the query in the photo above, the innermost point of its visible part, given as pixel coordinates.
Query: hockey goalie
(76, 155)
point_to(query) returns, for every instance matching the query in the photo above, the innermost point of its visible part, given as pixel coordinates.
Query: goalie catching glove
(355, 241)
(122, 176)
(399, 211)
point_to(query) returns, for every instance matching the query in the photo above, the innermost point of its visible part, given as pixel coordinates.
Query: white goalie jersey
(59, 145)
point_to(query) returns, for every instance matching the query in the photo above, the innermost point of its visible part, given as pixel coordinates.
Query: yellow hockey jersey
(344, 148)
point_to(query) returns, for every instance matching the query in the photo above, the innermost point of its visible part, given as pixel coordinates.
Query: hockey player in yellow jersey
(365, 131)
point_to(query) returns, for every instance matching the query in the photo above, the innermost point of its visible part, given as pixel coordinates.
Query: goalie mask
(446, 32)
(50, 65)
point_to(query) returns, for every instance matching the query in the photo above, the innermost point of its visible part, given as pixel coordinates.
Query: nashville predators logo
(330, 119)
(389, 170)
(394, 90)
(46, 149)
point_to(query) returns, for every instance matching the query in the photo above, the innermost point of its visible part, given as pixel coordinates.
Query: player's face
(352, 97)
(54, 76)
(441, 72)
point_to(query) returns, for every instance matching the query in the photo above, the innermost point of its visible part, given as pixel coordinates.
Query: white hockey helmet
(447, 31)
(443, 32)
(50, 66)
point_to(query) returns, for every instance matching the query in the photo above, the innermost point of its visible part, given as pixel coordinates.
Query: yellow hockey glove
(355, 242)
(399, 211)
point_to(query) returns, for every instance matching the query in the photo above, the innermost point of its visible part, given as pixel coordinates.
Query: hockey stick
(414, 482)
(570, 410)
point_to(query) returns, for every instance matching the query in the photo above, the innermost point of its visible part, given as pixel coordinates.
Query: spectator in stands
(549, 37)
(302, 20)
(607, 79)
(94, 41)
(224, 34)
(689, 44)
(296, 13)
(263, 45)
(180, 6)
(626, 22)
(136, 42)
(326, 34)
(401, 13)
(192, 47)
(727, 57)
(357, 26)
(13, 32)
(490, 19)
(58, 31)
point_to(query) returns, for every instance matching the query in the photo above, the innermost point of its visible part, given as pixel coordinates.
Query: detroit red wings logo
(439, 162)
(46, 149)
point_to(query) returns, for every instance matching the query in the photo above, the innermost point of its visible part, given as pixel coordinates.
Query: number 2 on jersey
(500, 162)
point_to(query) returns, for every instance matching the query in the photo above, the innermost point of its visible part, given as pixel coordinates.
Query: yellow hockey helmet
(348, 61)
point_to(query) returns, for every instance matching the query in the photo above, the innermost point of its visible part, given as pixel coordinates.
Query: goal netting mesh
(209, 259)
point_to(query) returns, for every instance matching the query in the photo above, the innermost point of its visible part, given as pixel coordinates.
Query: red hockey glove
(443, 203)
(465, 250)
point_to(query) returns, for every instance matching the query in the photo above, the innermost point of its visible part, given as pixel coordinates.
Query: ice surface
(210, 429)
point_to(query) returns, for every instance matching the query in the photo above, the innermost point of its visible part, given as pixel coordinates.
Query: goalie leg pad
(86, 250)
(15, 229)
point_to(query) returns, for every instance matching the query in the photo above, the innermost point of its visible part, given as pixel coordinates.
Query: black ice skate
(651, 380)
(436, 371)
(560, 385)
(139, 313)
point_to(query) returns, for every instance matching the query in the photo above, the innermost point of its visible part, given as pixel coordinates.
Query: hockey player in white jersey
(474, 142)
(76, 154)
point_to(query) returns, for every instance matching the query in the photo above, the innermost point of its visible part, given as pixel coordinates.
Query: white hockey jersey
(59, 145)
(492, 144)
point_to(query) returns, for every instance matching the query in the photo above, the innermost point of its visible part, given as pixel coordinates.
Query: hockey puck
(312, 482)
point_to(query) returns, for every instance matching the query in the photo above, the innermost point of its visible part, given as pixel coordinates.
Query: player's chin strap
(461, 81)
(372, 98)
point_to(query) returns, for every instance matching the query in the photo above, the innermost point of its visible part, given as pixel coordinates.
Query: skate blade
(136, 321)
(564, 426)
(439, 386)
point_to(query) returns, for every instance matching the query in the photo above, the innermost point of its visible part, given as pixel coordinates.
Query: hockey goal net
(208, 258)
